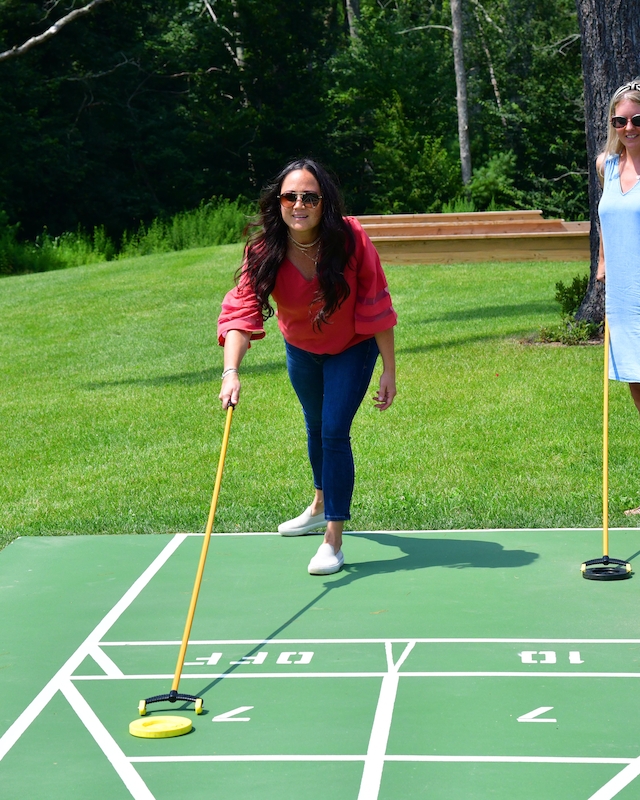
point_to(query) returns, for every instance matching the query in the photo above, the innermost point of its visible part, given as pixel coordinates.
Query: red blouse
(364, 313)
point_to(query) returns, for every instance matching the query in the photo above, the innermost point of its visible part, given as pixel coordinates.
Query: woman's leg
(634, 388)
(330, 390)
(306, 376)
(346, 379)
(635, 393)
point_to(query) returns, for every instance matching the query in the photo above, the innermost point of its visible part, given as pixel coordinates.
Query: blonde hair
(613, 146)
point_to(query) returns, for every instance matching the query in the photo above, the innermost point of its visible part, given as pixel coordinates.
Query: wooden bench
(476, 236)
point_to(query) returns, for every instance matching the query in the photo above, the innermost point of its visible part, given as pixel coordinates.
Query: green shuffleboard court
(447, 665)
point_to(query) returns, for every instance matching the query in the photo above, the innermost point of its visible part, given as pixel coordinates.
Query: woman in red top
(335, 313)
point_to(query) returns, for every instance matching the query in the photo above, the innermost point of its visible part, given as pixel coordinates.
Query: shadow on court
(425, 553)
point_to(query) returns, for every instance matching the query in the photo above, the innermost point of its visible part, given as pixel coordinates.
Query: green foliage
(145, 107)
(492, 186)
(460, 205)
(571, 296)
(412, 172)
(570, 331)
(535, 55)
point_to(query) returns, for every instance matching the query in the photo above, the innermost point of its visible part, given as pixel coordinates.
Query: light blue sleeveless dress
(620, 225)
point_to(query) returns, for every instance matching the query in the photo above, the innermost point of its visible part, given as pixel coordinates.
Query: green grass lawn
(110, 421)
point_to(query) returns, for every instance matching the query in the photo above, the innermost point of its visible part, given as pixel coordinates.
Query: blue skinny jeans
(331, 389)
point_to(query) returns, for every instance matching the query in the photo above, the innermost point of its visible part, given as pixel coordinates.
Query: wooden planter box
(476, 236)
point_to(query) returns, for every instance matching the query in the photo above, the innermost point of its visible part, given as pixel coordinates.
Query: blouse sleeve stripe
(375, 317)
(371, 301)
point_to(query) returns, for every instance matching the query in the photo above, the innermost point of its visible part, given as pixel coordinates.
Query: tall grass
(19, 257)
(217, 221)
(111, 423)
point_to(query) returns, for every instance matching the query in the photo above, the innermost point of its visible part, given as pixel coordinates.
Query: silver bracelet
(227, 371)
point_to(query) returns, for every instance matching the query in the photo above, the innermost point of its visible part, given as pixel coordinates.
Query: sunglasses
(621, 122)
(308, 199)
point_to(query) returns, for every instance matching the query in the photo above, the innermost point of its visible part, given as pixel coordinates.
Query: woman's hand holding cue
(236, 344)
(230, 391)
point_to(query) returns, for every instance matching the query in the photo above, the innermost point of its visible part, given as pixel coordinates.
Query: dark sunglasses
(308, 199)
(621, 122)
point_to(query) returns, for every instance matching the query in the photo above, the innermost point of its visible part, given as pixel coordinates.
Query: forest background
(147, 108)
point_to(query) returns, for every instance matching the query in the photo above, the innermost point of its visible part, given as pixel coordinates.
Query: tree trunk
(610, 32)
(461, 91)
(352, 10)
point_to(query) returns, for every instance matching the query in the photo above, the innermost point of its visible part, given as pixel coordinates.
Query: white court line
(512, 759)
(235, 676)
(374, 761)
(35, 707)
(111, 669)
(198, 676)
(402, 758)
(618, 782)
(420, 530)
(250, 758)
(405, 640)
(134, 783)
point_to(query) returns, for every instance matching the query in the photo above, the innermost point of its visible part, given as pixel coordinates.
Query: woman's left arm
(387, 389)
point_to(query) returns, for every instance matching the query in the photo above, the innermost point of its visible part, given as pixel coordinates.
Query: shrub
(569, 331)
(570, 297)
(492, 186)
(412, 173)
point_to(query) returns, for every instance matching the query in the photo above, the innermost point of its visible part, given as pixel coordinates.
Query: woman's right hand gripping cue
(236, 344)
(230, 391)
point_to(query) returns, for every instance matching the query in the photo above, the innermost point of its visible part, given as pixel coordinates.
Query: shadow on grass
(458, 342)
(486, 312)
(188, 378)
(495, 312)
(419, 554)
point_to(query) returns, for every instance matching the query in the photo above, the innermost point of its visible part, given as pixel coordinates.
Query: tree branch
(51, 31)
(424, 28)
(579, 172)
(478, 5)
(238, 54)
(563, 44)
(487, 52)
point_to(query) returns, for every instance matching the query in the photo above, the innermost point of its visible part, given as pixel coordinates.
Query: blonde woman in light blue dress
(619, 211)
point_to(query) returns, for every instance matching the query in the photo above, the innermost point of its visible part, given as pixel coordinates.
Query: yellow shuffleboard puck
(160, 727)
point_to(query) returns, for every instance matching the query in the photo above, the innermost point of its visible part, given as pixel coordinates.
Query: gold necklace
(304, 247)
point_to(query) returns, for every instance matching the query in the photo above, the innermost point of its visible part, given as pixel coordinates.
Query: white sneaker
(326, 561)
(305, 523)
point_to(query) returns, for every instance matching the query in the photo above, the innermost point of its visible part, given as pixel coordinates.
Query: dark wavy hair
(267, 247)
